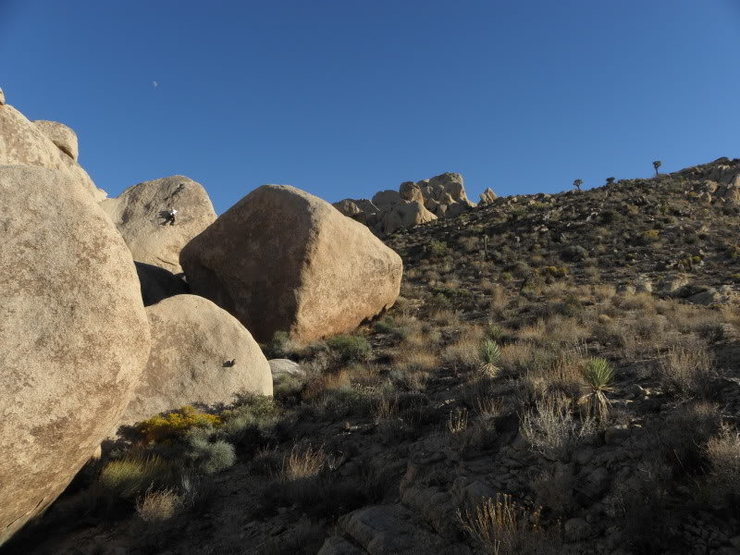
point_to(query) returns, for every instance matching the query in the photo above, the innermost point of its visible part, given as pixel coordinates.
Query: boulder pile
(82, 355)
(414, 203)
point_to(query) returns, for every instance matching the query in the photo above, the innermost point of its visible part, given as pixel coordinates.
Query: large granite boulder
(73, 332)
(24, 143)
(200, 355)
(138, 215)
(61, 135)
(158, 284)
(284, 260)
(386, 199)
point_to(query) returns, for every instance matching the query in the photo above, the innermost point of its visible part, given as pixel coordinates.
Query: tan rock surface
(73, 331)
(136, 213)
(282, 259)
(61, 135)
(193, 345)
(405, 214)
(22, 143)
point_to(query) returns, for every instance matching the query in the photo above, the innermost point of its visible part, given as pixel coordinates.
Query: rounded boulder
(73, 331)
(200, 355)
(139, 214)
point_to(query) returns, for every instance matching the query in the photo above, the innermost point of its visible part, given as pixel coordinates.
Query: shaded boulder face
(138, 215)
(284, 260)
(25, 143)
(158, 284)
(73, 331)
(200, 354)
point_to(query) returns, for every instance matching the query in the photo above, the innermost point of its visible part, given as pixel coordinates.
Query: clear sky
(347, 97)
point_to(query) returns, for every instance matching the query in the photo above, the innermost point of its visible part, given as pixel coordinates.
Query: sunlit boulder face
(138, 215)
(27, 143)
(74, 336)
(200, 354)
(284, 260)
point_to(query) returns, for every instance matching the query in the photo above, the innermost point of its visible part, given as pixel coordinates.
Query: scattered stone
(284, 260)
(139, 216)
(337, 545)
(577, 529)
(200, 355)
(283, 367)
(73, 331)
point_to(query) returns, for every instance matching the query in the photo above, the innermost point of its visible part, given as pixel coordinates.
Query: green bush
(351, 348)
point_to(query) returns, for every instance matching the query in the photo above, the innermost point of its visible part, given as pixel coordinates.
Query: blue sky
(347, 97)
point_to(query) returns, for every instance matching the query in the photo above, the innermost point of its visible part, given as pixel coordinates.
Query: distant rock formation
(27, 143)
(200, 354)
(487, 196)
(284, 260)
(415, 203)
(73, 332)
(138, 215)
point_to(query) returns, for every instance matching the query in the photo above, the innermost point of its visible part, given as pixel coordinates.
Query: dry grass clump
(304, 462)
(158, 506)
(464, 354)
(502, 526)
(457, 422)
(552, 430)
(129, 476)
(685, 369)
(723, 452)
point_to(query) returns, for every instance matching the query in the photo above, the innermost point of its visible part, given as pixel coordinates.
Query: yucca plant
(598, 375)
(490, 355)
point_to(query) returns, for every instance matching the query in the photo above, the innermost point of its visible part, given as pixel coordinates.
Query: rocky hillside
(561, 374)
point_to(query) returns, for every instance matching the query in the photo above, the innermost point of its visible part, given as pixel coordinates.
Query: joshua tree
(577, 184)
(610, 180)
(657, 165)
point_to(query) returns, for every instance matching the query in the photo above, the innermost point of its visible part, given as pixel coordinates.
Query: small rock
(2, 97)
(577, 529)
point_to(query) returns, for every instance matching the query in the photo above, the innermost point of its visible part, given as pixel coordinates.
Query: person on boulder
(169, 216)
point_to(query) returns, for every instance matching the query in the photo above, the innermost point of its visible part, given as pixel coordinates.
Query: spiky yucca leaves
(490, 355)
(598, 375)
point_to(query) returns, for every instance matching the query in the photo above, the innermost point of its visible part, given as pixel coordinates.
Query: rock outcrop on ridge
(414, 203)
(284, 260)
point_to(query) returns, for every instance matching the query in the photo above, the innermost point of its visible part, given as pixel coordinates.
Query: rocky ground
(560, 375)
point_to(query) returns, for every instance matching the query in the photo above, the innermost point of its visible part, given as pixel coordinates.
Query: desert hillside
(560, 374)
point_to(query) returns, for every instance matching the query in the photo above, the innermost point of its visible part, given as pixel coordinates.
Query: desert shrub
(555, 489)
(175, 424)
(209, 456)
(350, 348)
(390, 326)
(502, 526)
(457, 421)
(723, 452)
(158, 505)
(573, 253)
(252, 417)
(490, 355)
(598, 375)
(553, 431)
(682, 436)
(304, 462)
(437, 249)
(280, 346)
(686, 370)
(133, 474)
